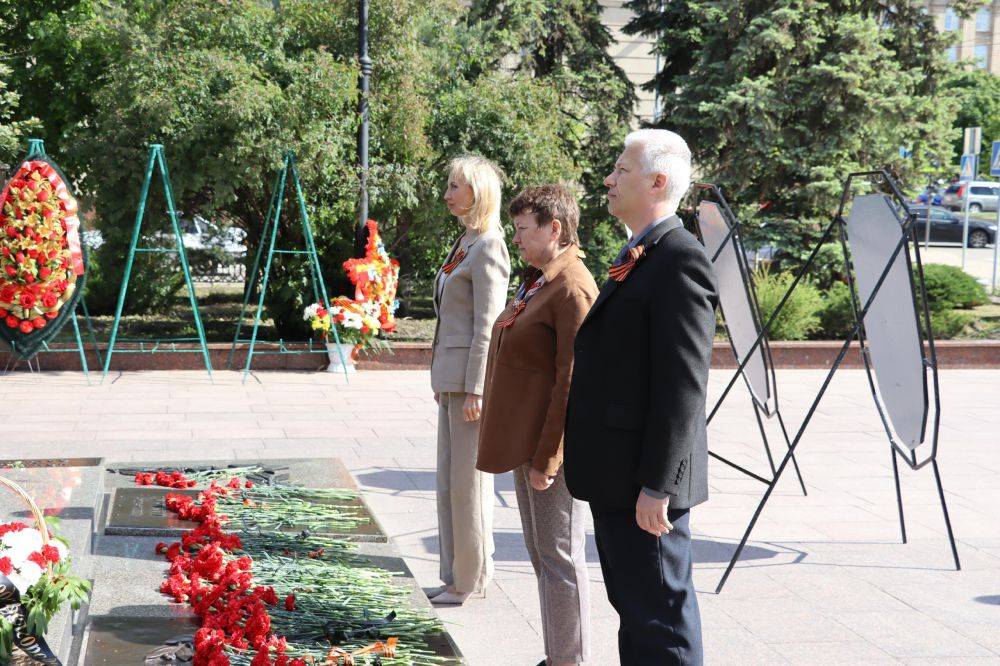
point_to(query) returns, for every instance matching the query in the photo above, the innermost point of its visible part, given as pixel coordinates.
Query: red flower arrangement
(41, 257)
(220, 588)
(375, 277)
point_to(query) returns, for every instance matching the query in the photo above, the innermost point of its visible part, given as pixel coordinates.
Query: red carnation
(290, 602)
(5, 566)
(11, 231)
(26, 327)
(50, 553)
(52, 315)
(12, 321)
(49, 299)
(8, 293)
(11, 271)
(161, 548)
(38, 322)
(38, 559)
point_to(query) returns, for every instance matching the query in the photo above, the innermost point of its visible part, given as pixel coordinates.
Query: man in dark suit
(635, 443)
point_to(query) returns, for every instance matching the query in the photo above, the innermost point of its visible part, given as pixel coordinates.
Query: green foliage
(836, 318)
(948, 324)
(781, 100)
(949, 287)
(227, 87)
(978, 92)
(800, 315)
(6, 639)
(564, 44)
(12, 132)
(52, 592)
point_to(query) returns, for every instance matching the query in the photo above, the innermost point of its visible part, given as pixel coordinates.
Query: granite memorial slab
(141, 511)
(120, 641)
(70, 492)
(21, 463)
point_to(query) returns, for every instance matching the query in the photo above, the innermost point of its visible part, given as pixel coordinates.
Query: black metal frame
(929, 361)
(734, 238)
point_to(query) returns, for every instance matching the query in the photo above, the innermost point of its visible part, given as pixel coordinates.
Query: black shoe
(543, 662)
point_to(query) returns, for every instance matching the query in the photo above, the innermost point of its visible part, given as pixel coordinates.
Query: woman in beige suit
(527, 384)
(469, 291)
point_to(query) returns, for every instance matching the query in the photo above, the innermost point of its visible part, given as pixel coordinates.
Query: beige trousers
(554, 533)
(464, 500)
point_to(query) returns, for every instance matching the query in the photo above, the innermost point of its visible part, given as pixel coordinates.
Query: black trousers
(649, 583)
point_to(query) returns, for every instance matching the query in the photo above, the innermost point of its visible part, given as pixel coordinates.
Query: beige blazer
(467, 301)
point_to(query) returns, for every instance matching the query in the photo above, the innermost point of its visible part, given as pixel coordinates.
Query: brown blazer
(528, 372)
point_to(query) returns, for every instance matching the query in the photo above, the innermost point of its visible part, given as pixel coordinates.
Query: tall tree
(781, 99)
(565, 44)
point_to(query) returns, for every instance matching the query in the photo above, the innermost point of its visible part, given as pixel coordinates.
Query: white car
(200, 234)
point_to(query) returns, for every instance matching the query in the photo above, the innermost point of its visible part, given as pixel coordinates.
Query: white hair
(665, 152)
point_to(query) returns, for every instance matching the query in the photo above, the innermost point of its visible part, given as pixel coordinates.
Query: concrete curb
(984, 354)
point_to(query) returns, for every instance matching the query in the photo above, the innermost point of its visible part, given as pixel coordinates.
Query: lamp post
(361, 233)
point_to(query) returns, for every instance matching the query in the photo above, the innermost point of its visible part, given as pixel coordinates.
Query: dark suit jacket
(636, 413)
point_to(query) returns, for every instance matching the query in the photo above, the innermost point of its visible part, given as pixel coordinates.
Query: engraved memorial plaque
(143, 512)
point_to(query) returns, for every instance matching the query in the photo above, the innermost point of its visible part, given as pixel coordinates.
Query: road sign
(995, 159)
(972, 139)
(968, 168)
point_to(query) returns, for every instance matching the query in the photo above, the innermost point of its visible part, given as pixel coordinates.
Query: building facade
(979, 43)
(633, 53)
(976, 41)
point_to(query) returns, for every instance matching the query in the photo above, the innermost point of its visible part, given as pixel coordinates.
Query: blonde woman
(469, 292)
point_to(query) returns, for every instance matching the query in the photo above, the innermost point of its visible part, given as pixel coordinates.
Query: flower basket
(34, 583)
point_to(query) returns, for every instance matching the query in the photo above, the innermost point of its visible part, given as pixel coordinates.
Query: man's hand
(473, 406)
(651, 514)
(437, 398)
(539, 480)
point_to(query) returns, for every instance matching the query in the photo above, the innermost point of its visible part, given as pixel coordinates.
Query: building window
(950, 20)
(981, 54)
(984, 19)
(952, 54)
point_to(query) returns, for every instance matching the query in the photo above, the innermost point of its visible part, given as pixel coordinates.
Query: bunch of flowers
(40, 572)
(40, 253)
(207, 573)
(357, 322)
(375, 277)
(23, 557)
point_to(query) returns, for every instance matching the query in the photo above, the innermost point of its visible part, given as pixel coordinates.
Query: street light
(365, 63)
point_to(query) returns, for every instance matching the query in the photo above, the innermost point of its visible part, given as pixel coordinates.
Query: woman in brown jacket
(528, 373)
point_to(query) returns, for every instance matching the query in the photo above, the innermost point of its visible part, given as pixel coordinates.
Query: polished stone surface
(828, 580)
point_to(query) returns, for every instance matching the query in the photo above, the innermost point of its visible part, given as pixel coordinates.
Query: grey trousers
(464, 500)
(553, 525)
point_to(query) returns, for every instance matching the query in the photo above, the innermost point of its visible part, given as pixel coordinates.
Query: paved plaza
(824, 579)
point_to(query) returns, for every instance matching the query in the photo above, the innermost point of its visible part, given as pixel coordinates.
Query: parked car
(982, 195)
(946, 227)
(200, 234)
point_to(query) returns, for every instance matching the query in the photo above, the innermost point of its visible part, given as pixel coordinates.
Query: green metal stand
(156, 158)
(268, 238)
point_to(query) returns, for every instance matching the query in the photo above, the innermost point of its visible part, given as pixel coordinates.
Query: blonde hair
(486, 180)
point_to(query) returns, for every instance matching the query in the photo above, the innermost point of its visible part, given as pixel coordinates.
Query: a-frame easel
(257, 282)
(169, 344)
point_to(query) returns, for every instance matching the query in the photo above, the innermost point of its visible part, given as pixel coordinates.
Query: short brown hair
(547, 203)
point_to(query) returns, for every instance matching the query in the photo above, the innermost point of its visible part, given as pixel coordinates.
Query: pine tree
(565, 43)
(781, 99)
